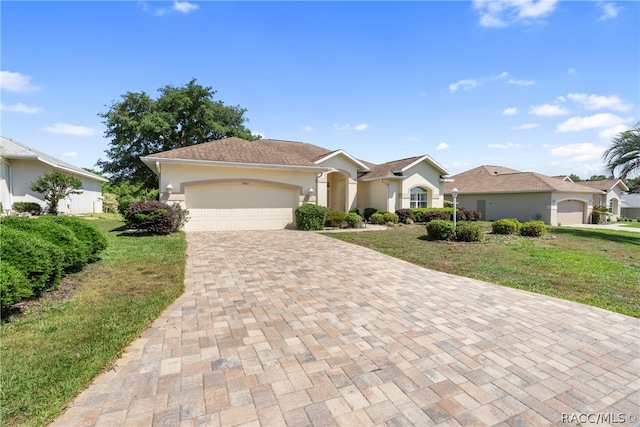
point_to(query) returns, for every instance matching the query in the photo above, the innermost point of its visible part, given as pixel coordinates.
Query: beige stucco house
(499, 192)
(610, 195)
(234, 184)
(20, 165)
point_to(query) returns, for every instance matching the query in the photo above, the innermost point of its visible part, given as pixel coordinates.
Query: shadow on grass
(608, 235)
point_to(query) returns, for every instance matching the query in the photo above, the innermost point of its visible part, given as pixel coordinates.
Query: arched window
(418, 198)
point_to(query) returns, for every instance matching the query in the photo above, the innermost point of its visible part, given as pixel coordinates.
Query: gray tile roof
(11, 149)
(497, 179)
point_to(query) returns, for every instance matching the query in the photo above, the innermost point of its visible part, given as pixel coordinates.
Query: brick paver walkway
(294, 328)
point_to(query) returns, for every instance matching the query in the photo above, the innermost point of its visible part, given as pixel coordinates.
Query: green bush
(405, 216)
(76, 255)
(533, 229)
(506, 226)
(89, 234)
(440, 229)
(377, 218)
(468, 232)
(429, 214)
(183, 215)
(109, 202)
(368, 212)
(355, 210)
(28, 207)
(464, 214)
(353, 220)
(14, 286)
(334, 218)
(310, 217)
(390, 218)
(152, 216)
(39, 260)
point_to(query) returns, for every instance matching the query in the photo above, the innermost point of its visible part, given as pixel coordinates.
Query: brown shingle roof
(238, 150)
(496, 179)
(604, 185)
(388, 169)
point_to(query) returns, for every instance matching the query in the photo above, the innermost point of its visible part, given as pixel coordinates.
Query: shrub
(404, 215)
(468, 232)
(355, 210)
(368, 212)
(377, 218)
(183, 215)
(151, 216)
(390, 218)
(89, 234)
(109, 202)
(440, 229)
(533, 229)
(334, 218)
(39, 260)
(14, 285)
(506, 226)
(75, 254)
(429, 216)
(353, 220)
(28, 207)
(464, 214)
(310, 217)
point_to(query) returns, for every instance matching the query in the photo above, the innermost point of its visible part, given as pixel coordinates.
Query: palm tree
(624, 154)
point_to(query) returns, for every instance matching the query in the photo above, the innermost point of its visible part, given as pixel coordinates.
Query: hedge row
(513, 226)
(37, 252)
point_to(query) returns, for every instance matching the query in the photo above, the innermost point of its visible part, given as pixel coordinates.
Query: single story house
(234, 184)
(630, 205)
(21, 165)
(500, 192)
(611, 193)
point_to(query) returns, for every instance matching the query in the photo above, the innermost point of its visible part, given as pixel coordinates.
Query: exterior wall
(424, 176)
(375, 194)
(23, 172)
(631, 212)
(523, 206)
(5, 185)
(349, 186)
(178, 175)
(586, 198)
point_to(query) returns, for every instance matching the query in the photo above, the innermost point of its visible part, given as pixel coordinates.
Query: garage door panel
(571, 212)
(237, 206)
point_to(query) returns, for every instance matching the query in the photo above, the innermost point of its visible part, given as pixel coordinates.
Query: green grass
(631, 224)
(595, 267)
(51, 351)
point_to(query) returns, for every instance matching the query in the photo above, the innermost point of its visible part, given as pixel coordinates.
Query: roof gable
(396, 168)
(361, 165)
(606, 184)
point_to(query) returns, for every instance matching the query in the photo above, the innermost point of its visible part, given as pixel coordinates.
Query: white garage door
(239, 206)
(570, 212)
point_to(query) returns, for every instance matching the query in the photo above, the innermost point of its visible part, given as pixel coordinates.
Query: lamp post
(454, 194)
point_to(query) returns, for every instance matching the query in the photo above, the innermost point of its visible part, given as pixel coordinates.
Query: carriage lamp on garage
(454, 194)
(169, 188)
(310, 192)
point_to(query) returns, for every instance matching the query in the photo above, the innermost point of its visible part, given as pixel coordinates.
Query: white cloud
(361, 126)
(571, 71)
(347, 126)
(184, 6)
(609, 10)
(463, 84)
(506, 146)
(598, 102)
(596, 121)
(521, 82)
(413, 138)
(501, 13)
(526, 126)
(15, 82)
(20, 108)
(67, 129)
(578, 152)
(70, 154)
(308, 128)
(548, 110)
(501, 75)
(510, 111)
(442, 146)
(610, 133)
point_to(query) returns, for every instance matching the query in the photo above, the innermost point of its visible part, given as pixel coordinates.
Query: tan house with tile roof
(499, 192)
(234, 184)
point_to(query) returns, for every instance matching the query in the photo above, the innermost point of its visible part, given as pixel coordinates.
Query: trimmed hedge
(28, 207)
(89, 235)
(429, 214)
(440, 229)
(533, 229)
(468, 232)
(14, 286)
(334, 218)
(152, 216)
(368, 212)
(405, 216)
(310, 217)
(353, 220)
(506, 226)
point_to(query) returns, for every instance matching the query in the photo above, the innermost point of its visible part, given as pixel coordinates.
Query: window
(418, 198)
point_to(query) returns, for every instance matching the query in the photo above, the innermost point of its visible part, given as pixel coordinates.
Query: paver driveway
(294, 328)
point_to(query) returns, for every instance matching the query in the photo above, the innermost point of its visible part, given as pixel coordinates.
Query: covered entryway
(570, 212)
(242, 205)
(337, 185)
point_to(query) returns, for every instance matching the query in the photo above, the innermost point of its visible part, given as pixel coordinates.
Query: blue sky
(532, 85)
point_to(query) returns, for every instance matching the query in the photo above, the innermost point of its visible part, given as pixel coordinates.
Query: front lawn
(595, 267)
(52, 350)
(631, 224)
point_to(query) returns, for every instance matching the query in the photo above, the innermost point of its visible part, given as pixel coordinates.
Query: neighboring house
(234, 184)
(630, 205)
(21, 165)
(611, 192)
(499, 192)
